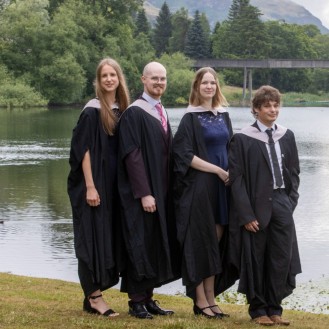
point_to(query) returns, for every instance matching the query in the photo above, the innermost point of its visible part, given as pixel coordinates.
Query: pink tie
(162, 117)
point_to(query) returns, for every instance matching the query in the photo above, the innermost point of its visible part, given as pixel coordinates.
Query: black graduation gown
(150, 238)
(195, 203)
(94, 226)
(251, 195)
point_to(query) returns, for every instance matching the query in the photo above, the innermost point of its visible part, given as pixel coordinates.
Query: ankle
(95, 295)
(95, 299)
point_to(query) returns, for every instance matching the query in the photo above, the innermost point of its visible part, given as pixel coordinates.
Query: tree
(53, 5)
(22, 29)
(77, 35)
(17, 93)
(141, 24)
(321, 45)
(205, 24)
(179, 76)
(3, 4)
(116, 9)
(55, 51)
(242, 35)
(207, 32)
(197, 41)
(135, 63)
(162, 30)
(237, 8)
(215, 31)
(63, 79)
(288, 41)
(180, 25)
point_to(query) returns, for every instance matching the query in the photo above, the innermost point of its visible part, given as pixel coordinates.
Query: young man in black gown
(264, 175)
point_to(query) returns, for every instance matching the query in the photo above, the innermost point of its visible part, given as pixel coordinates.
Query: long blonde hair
(195, 97)
(109, 119)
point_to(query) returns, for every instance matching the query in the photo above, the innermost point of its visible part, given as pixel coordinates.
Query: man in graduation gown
(264, 194)
(144, 175)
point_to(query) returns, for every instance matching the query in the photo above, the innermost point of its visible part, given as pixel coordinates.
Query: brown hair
(109, 119)
(195, 98)
(264, 95)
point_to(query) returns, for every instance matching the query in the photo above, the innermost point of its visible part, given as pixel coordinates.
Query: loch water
(36, 237)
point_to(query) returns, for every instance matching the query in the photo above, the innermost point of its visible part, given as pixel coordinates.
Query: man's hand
(148, 203)
(252, 226)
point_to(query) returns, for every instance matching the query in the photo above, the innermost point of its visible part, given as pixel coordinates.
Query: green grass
(306, 99)
(234, 97)
(33, 303)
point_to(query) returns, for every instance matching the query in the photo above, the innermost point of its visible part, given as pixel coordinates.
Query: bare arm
(205, 166)
(92, 196)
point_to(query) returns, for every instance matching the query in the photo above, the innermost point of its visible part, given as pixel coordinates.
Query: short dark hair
(264, 95)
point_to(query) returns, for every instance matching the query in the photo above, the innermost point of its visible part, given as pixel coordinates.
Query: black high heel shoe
(88, 308)
(199, 311)
(219, 315)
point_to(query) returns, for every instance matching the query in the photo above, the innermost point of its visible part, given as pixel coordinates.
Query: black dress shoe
(139, 310)
(199, 311)
(219, 315)
(153, 307)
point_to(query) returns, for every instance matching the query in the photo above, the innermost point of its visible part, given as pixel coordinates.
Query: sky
(319, 8)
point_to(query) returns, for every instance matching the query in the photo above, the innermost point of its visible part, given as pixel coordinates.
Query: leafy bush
(17, 94)
(180, 76)
(20, 95)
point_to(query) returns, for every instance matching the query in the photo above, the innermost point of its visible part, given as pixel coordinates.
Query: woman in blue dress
(201, 192)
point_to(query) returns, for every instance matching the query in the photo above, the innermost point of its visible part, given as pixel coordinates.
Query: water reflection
(36, 238)
(17, 154)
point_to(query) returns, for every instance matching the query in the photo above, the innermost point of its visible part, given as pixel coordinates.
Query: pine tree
(180, 25)
(162, 30)
(197, 42)
(243, 35)
(236, 8)
(141, 24)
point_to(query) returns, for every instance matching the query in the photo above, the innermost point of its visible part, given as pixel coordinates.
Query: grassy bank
(234, 97)
(32, 303)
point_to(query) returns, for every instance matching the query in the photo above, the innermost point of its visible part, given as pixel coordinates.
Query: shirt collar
(263, 128)
(150, 100)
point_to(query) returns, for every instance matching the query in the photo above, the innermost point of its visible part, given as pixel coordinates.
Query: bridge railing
(249, 64)
(262, 63)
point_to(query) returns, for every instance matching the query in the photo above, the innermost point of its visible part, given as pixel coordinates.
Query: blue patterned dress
(216, 137)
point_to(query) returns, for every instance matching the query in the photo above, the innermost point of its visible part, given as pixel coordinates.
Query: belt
(279, 189)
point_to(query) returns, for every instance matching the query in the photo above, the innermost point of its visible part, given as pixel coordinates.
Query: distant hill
(217, 10)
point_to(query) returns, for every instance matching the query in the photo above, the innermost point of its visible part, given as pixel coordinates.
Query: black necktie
(276, 167)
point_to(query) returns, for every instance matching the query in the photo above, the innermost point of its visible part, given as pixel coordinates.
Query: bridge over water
(249, 64)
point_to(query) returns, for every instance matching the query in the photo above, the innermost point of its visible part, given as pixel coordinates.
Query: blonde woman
(201, 169)
(92, 185)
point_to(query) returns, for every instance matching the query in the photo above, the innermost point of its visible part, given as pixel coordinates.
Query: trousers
(271, 258)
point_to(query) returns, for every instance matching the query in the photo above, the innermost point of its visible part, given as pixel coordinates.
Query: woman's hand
(224, 176)
(92, 197)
